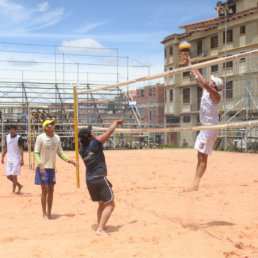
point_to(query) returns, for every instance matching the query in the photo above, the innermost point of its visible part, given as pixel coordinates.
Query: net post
(29, 138)
(34, 142)
(2, 126)
(75, 105)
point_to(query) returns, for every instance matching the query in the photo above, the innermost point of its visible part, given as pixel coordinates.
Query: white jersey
(13, 152)
(209, 112)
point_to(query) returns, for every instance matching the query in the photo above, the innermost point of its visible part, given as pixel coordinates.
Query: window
(142, 113)
(229, 90)
(173, 119)
(229, 36)
(150, 113)
(138, 93)
(186, 74)
(165, 52)
(214, 42)
(170, 51)
(231, 9)
(214, 68)
(187, 119)
(242, 30)
(171, 95)
(142, 93)
(199, 47)
(150, 91)
(186, 96)
(228, 65)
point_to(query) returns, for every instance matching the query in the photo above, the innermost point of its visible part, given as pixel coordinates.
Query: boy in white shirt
(14, 149)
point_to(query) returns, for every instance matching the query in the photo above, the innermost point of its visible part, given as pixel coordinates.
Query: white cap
(219, 83)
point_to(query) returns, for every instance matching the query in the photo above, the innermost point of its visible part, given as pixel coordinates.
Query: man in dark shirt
(100, 189)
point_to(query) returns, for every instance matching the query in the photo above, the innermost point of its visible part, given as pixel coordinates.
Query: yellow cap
(47, 122)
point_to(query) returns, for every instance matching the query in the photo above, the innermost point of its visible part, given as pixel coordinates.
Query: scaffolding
(36, 83)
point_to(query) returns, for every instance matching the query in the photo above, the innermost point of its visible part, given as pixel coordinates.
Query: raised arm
(202, 82)
(195, 72)
(103, 137)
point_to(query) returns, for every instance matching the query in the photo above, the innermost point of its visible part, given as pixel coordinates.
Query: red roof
(215, 21)
(198, 22)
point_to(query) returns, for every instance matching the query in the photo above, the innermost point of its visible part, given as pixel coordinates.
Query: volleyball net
(140, 102)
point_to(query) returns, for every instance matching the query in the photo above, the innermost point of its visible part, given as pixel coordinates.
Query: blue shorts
(49, 178)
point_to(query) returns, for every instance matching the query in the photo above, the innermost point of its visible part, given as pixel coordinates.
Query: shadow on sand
(111, 228)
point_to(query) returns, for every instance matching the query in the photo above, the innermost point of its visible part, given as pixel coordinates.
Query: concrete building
(234, 30)
(150, 104)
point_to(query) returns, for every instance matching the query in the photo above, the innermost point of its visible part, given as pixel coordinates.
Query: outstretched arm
(195, 72)
(202, 82)
(63, 156)
(103, 137)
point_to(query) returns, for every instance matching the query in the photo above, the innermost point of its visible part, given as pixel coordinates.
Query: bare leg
(104, 216)
(100, 210)
(20, 186)
(200, 169)
(15, 183)
(50, 199)
(44, 200)
(11, 179)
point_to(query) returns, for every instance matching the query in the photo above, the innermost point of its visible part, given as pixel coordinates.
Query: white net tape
(221, 126)
(176, 71)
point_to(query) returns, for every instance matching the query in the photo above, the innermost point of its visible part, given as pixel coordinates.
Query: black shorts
(100, 189)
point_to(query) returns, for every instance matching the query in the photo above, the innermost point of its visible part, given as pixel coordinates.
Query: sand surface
(153, 216)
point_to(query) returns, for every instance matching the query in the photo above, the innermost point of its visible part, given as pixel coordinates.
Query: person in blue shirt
(100, 189)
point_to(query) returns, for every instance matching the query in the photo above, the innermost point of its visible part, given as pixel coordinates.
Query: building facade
(150, 105)
(234, 30)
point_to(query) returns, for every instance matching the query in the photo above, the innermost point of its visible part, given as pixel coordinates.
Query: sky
(134, 28)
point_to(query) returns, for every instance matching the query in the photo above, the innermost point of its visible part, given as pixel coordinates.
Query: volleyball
(184, 47)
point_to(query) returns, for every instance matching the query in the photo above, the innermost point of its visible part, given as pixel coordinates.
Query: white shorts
(205, 140)
(13, 168)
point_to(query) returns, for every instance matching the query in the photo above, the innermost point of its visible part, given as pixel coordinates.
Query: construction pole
(2, 138)
(34, 141)
(225, 79)
(29, 138)
(75, 106)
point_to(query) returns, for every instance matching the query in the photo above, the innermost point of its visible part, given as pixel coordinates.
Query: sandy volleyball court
(152, 218)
